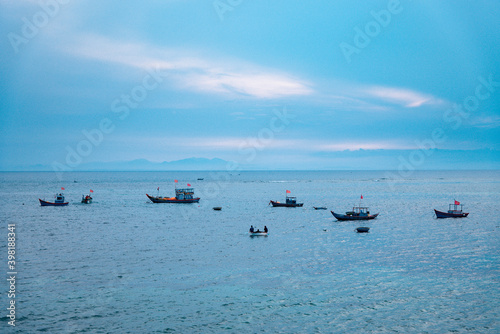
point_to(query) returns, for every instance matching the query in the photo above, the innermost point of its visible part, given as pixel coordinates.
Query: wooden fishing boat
(291, 202)
(453, 211)
(357, 213)
(59, 201)
(86, 199)
(185, 195)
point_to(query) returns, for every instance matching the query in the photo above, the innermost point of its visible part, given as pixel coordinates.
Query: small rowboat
(59, 201)
(362, 229)
(217, 208)
(257, 234)
(319, 208)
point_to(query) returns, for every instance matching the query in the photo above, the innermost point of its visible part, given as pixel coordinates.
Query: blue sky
(268, 84)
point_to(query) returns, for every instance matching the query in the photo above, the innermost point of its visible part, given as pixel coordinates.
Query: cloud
(227, 77)
(401, 96)
(486, 122)
(295, 145)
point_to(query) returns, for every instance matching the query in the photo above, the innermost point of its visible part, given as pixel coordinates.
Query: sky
(399, 85)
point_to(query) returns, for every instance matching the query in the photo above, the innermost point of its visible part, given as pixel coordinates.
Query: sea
(126, 265)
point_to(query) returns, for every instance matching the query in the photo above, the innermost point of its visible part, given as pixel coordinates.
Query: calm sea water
(126, 265)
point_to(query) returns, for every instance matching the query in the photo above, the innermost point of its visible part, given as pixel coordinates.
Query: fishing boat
(291, 202)
(185, 195)
(453, 211)
(59, 201)
(357, 213)
(217, 208)
(362, 229)
(86, 199)
(319, 208)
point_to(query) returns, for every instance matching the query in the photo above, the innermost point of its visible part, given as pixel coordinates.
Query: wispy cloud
(405, 97)
(486, 122)
(228, 77)
(305, 145)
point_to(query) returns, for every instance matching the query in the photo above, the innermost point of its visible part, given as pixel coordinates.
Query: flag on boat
(457, 203)
(189, 185)
(62, 188)
(288, 191)
(361, 196)
(91, 191)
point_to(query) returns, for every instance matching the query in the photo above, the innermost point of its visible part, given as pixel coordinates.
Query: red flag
(361, 196)
(62, 188)
(175, 181)
(189, 185)
(457, 203)
(91, 191)
(288, 191)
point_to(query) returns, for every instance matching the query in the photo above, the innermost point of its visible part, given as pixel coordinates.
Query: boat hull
(319, 208)
(441, 214)
(172, 200)
(257, 234)
(346, 217)
(45, 203)
(363, 229)
(277, 204)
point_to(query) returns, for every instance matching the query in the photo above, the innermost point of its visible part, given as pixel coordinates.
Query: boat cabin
(453, 208)
(59, 198)
(359, 211)
(291, 200)
(186, 193)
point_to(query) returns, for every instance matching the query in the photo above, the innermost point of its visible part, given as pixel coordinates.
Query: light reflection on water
(123, 264)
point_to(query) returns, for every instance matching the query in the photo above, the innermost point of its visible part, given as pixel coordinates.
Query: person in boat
(251, 229)
(265, 229)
